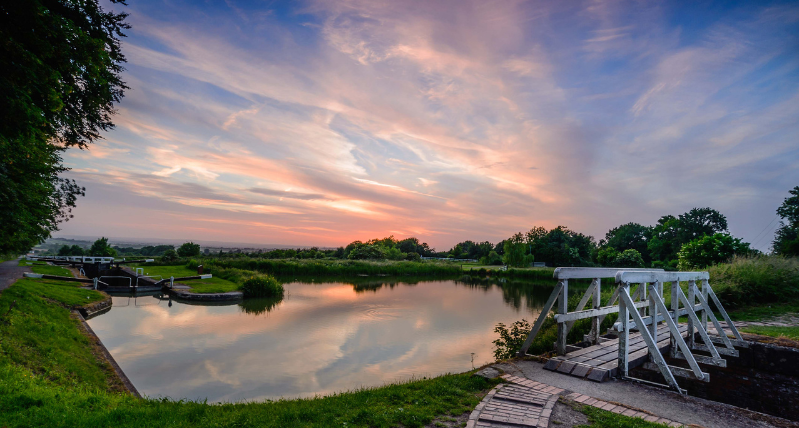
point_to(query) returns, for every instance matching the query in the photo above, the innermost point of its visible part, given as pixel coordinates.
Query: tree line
(694, 239)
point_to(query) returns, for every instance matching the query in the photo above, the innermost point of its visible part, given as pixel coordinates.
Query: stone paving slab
(526, 403)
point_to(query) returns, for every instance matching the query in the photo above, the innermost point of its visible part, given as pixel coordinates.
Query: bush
(169, 256)
(189, 249)
(261, 286)
(709, 250)
(100, 248)
(630, 258)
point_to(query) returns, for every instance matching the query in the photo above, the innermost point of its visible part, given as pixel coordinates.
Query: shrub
(261, 286)
(169, 256)
(608, 256)
(709, 250)
(100, 248)
(629, 258)
(189, 249)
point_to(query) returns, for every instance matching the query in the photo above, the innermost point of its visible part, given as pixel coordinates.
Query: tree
(711, 249)
(699, 222)
(610, 257)
(630, 236)
(671, 233)
(60, 63)
(189, 249)
(515, 249)
(629, 258)
(169, 255)
(786, 239)
(100, 248)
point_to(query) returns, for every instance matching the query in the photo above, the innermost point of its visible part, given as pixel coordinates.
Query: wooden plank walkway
(600, 362)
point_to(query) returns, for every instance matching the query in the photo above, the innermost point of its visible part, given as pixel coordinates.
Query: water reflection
(323, 337)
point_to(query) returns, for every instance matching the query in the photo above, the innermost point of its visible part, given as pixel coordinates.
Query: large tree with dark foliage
(669, 235)
(630, 236)
(786, 240)
(60, 62)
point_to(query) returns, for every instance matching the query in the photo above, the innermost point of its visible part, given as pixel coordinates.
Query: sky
(323, 122)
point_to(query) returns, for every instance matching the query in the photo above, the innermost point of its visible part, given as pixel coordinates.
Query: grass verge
(599, 418)
(211, 285)
(49, 377)
(773, 331)
(40, 336)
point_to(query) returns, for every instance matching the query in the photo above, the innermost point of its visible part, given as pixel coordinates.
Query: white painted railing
(561, 295)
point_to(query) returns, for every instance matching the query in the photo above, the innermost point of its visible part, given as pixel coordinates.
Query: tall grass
(745, 281)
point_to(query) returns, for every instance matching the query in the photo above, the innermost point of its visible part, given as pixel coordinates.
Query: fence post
(705, 287)
(624, 334)
(653, 311)
(675, 306)
(563, 308)
(595, 325)
(692, 302)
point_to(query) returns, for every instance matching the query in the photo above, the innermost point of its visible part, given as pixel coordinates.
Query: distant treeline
(285, 267)
(695, 239)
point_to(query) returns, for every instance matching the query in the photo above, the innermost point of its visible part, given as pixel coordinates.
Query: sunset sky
(318, 123)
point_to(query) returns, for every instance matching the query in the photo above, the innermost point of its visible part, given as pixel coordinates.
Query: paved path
(644, 399)
(10, 272)
(526, 403)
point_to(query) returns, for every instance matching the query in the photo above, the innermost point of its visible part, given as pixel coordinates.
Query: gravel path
(10, 272)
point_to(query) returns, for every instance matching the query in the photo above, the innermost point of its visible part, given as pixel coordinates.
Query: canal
(323, 337)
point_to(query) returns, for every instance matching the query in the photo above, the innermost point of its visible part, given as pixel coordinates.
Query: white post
(675, 306)
(624, 334)
(653, 311)
(705, 287)
(595, 323)
(563, 308)
(692, 302)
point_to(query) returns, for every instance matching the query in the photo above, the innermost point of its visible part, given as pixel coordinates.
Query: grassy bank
(773, 331)
(753, 288)
(215, 284)
(50, 377)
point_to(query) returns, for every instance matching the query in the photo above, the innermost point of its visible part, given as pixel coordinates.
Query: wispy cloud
(453, 120)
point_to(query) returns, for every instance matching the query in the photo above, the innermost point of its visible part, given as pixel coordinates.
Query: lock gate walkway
(600, 362)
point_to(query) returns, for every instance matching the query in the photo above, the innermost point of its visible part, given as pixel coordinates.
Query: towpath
(535, 397)
(10, 272)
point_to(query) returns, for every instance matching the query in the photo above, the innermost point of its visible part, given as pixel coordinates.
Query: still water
(323, 337)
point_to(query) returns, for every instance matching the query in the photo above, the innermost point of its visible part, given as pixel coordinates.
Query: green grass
(211, 285)
(51, 270)
(25, 262)
(39, 336)
(599, 418)
(26, 401)
(773, 331)
(762, 312)
(756, 281)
